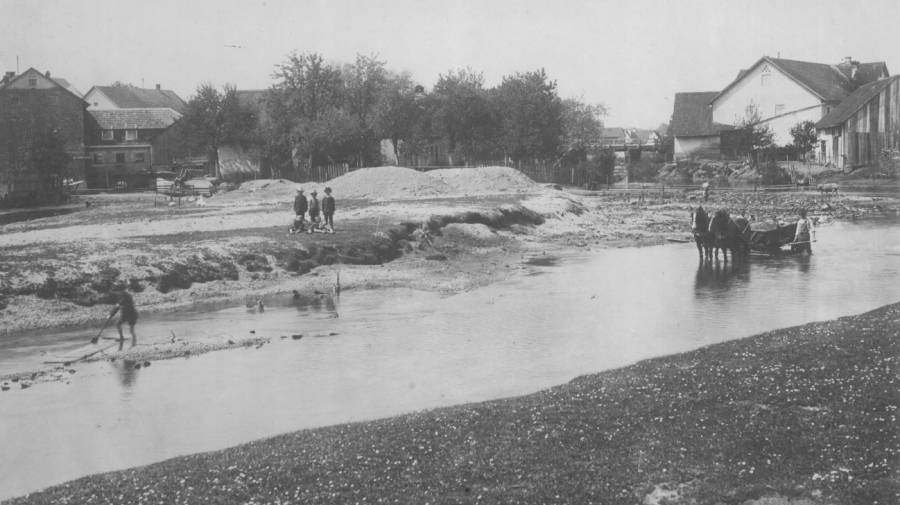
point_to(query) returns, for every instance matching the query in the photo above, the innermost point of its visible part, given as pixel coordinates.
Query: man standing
(300, 207)
(328, 210)
(313, 212)
(128, 314)
(802, 235)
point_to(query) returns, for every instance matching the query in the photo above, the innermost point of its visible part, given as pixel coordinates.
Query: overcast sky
(631, 55)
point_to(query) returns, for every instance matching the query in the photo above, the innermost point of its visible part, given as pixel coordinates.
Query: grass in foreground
(809, 411)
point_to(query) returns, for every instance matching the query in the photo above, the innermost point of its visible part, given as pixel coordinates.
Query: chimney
(47, 74)
(158, 87)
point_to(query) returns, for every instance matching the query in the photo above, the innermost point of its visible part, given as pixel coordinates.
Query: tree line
(318, 113)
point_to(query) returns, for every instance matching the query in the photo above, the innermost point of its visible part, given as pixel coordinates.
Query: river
(378, 353)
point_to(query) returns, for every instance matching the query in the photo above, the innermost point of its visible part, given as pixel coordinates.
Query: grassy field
(803, 415)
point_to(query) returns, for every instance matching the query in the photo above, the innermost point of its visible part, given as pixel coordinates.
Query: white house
(781, 93)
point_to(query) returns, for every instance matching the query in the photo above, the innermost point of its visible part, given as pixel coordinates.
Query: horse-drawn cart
(770, 239)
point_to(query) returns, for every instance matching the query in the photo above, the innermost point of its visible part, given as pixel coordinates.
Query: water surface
(395, 351)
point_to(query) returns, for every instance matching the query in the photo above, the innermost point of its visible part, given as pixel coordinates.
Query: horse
(727, 235)
(700, 229)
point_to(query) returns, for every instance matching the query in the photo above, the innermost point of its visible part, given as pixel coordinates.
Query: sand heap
(385, 183)
(393, 183)
(484, 180)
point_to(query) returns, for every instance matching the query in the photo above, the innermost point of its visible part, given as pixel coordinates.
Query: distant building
(130, 97)
(774, 92)
(780, 93)
(31, 104)
(693, 128)
(123, 145)
(855, 132)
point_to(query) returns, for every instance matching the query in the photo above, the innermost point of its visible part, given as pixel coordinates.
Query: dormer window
(106, 135)
(130, 134)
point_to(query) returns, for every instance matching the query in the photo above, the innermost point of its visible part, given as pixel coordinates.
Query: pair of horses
(719, 233)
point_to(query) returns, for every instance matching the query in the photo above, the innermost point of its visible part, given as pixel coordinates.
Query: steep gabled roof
(58, 81)
(130, 97)
(135, 119)
(692, 116)
(68, 86)
(854, 102)
(827, 82)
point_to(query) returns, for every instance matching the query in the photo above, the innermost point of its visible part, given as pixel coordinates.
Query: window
(779, 108)
(106, 135)
(97, 158)
(32, 82)
(752, 111)
(764, 80)
(120, 157)
(130, 134)
(140, 156)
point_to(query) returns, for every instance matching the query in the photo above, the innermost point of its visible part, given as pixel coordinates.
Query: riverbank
(60, 271)
(802, 415)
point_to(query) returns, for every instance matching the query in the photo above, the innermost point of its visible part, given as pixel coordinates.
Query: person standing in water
(802, 235)
(128, 314)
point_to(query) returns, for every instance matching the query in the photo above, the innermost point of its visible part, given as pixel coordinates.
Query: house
(856, 131)
(32, 104)
(695, 133)
(123, 145)
(780, 93)
(642, 137)
(612, 136)
(131, 97)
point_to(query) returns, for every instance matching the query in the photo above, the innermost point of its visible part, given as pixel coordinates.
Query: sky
(630, 55)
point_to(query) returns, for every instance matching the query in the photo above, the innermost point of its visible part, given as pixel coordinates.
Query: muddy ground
(61, 270)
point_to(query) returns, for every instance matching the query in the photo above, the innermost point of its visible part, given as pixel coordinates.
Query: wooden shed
(864, 127)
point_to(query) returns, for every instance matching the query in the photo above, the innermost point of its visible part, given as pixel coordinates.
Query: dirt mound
(484, 180)
(377, 183)
(263, 189)
(393, 183)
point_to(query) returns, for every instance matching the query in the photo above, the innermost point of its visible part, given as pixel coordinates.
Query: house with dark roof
(855, 132)
(780, 93)
(31, 104)
(131, 97)
(693, 128)
(124, 145)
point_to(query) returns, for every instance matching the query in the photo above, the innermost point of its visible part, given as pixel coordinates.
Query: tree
(582, 128)
(804, 137)
(531, 116)
(213, 119)
(462, 114)
(399, 111)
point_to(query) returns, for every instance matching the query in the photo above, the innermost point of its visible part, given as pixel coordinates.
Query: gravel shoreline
(802, 415)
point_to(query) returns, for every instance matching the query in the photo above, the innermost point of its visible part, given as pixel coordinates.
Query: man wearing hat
(300, 206)
(313, 212)
(328, 210)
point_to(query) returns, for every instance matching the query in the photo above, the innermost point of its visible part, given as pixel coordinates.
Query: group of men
(312, 207)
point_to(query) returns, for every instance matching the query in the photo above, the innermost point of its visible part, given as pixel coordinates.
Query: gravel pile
(484, 180)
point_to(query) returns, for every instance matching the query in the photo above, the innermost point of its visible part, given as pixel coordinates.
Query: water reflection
(126, 373)
(318, 302)
(720, 276)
